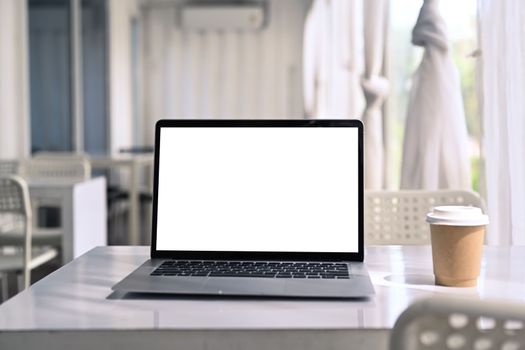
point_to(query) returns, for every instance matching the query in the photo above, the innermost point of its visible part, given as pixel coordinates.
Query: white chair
(53, 168)
(16, 253)
(8, 167)
(446, 323)
(399, 217)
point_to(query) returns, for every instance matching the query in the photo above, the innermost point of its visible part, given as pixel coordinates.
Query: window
(50, 69)
(52, 77)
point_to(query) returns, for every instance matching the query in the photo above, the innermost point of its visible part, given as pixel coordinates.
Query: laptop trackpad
(245, 286)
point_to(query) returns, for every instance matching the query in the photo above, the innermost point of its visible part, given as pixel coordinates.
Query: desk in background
(83, 213)
(78, 298)
(134, 163)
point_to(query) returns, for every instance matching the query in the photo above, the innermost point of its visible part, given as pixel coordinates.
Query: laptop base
(140, 281)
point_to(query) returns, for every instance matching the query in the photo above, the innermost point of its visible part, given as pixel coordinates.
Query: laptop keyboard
(261, 269)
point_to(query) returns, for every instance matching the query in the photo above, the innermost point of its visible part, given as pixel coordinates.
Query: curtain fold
(435, 149)
(502, 42)
(333, 59)
(375, 88)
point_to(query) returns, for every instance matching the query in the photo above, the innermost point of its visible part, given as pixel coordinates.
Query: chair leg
(24, 280)
(20, 282)
(27, 278)
(5, 287)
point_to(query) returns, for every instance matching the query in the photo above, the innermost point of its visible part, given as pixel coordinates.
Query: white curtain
(333, 59)
(435, 150)
(375, 88)
(14, 96)
(502, 40)
(343, 57)
(221, 73)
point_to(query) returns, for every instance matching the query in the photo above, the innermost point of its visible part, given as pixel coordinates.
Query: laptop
(264, 208)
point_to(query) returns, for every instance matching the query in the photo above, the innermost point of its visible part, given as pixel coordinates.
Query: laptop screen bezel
(254, 255)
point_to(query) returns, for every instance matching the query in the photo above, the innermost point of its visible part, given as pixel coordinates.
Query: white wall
(120, 14)
(219, 74)
(14, 101)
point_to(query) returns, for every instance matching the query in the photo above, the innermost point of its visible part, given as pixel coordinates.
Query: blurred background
(82, 83)
(94, 75)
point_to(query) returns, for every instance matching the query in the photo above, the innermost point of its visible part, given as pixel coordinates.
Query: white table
(78, 299)
(83, 212)
(134, 164)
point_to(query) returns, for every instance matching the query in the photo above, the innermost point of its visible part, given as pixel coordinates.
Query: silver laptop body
(256, 208)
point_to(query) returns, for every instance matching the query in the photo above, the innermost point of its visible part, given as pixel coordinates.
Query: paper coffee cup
(457, 234)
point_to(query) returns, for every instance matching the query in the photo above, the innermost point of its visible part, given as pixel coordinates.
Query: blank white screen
(258, 189)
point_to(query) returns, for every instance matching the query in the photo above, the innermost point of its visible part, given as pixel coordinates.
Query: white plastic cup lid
(456, 215)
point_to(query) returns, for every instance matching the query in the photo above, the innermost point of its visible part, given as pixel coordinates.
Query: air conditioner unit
(226, 17)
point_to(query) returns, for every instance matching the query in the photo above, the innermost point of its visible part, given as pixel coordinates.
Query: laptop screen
(258, 189)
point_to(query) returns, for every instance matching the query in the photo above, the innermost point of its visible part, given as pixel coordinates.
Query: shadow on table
(415, 279)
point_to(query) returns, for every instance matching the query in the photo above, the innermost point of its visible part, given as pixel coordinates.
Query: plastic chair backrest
(57, 168)
(15, 215)
(459, 323)
(8, 167)
(399, 217)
